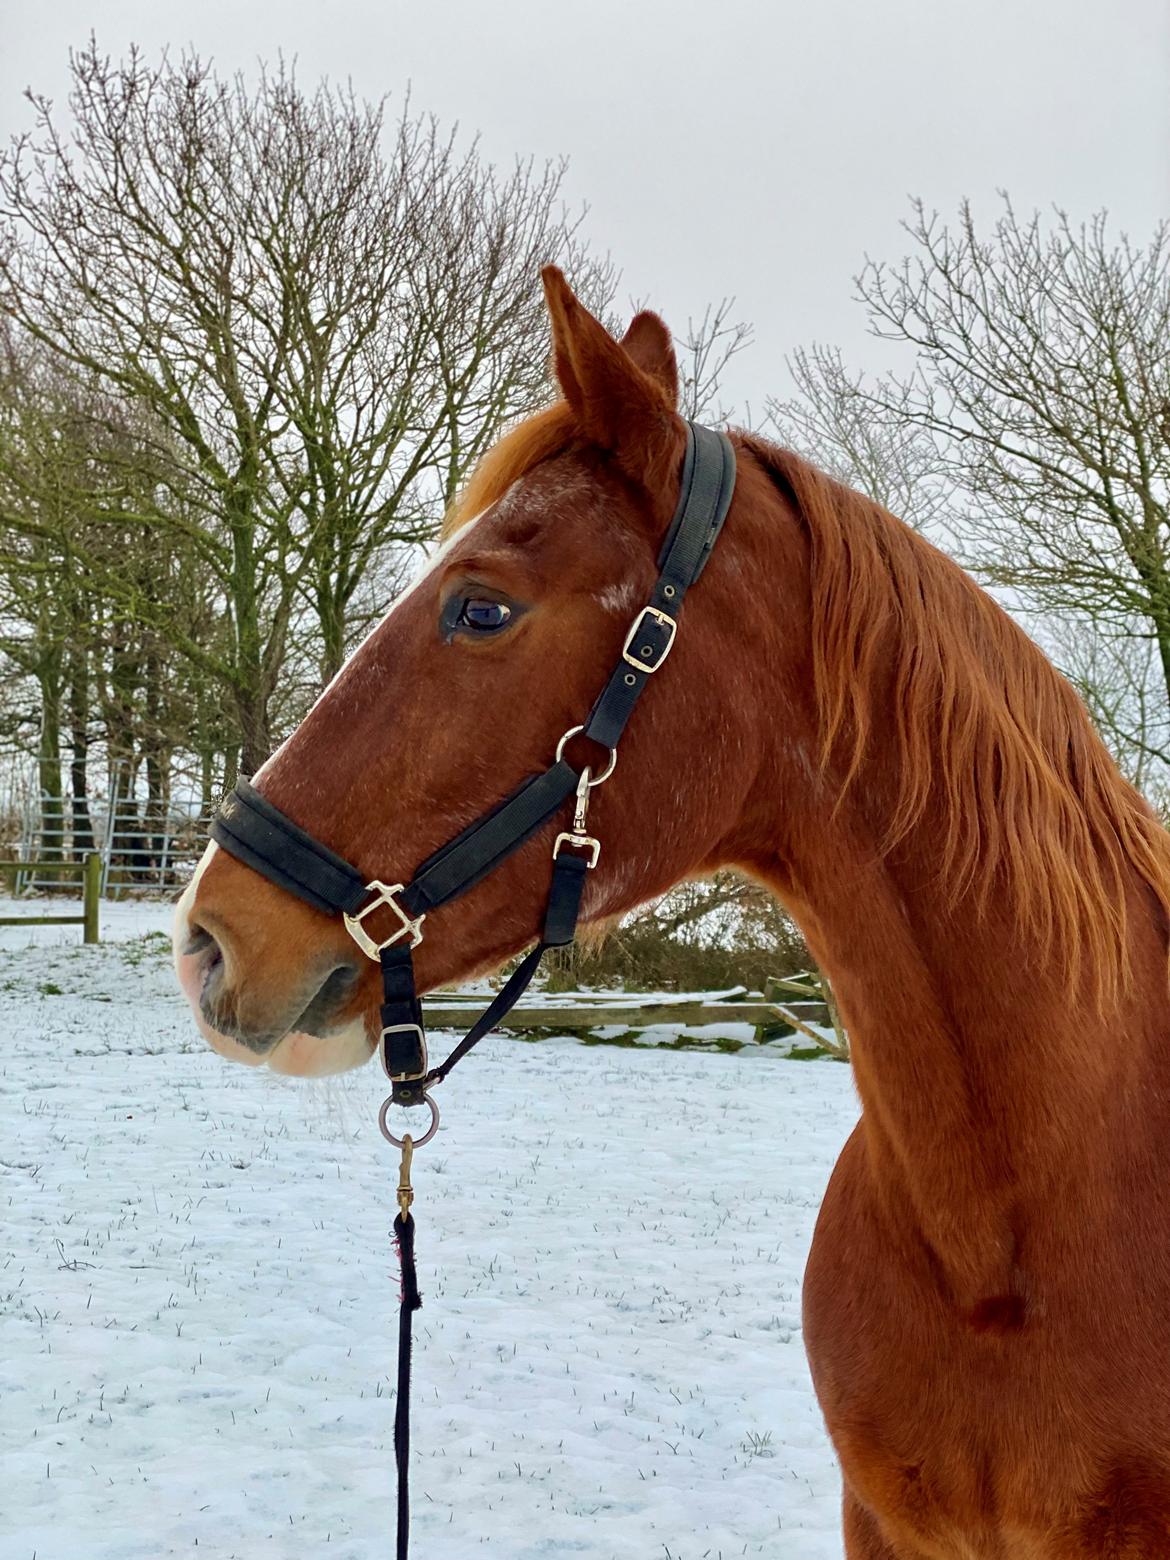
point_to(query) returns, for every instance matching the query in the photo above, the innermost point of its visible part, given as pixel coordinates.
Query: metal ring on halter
(417, 1141)
(605, 773)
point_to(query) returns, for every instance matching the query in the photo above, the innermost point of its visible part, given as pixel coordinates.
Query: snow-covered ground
(198, 1296)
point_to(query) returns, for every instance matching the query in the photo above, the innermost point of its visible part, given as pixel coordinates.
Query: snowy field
(198, 1296)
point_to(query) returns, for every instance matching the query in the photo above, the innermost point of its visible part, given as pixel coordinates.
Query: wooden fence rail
(90, 872)
(579, 1014)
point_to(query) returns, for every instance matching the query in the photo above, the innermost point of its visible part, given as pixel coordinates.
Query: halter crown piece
(260, 835)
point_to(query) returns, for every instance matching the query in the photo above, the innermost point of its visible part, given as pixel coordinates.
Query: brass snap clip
(405, 1190)
(576, 838)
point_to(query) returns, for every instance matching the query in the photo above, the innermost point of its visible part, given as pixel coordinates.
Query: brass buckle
(403, 1029)
(664, 620)
(384, 895)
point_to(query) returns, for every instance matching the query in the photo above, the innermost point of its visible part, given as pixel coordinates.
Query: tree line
(254, 336)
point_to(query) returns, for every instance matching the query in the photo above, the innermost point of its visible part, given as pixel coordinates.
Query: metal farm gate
(143, 848)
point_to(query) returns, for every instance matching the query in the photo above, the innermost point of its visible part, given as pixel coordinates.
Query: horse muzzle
(303, 1024)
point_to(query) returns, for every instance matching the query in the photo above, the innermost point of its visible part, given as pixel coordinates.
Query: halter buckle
(421, 1042)
(384, 895)
(650, 657)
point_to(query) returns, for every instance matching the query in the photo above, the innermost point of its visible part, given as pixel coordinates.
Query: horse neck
(984, 1070)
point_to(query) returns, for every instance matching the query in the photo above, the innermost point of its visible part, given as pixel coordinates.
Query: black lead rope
(250, 828)
(411, 1300)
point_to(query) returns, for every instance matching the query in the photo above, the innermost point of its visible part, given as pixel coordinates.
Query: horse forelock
(538, 438)
(983, 728)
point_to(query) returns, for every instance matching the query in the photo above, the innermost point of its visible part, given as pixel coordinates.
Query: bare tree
(1043, 383)
(1119, 676)
(833, 421)
(705, 353)
(44, 622)
(323, 335)
(96, 658)
(1033, 429)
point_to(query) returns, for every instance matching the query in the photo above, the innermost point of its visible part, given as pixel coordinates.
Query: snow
(198, 1298)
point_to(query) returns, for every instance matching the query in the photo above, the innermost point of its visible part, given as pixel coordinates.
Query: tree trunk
(1163, 633)
(128, 839)
(331, 618)
(155, 813)
(252, 710)
(206, 781)
(157, 771)
(251, 692)
(83, 837)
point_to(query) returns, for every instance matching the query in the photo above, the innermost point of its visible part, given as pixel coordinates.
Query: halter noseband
(263, 838)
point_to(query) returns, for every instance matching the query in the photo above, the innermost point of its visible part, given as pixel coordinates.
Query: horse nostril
(198, 940)
(202, 946)
(237, 1006)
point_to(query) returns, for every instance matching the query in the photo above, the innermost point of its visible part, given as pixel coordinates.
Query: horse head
(466, 686)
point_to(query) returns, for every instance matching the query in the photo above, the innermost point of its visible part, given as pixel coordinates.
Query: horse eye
(486, 616)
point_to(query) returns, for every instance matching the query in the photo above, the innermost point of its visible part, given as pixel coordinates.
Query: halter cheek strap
(250, 828)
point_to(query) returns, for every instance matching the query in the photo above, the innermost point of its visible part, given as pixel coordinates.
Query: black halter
(252, 829)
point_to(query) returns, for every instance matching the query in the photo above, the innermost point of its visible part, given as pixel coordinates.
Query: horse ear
(623, 393)
(648, 343)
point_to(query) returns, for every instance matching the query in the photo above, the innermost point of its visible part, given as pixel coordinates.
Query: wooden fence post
(93, 889)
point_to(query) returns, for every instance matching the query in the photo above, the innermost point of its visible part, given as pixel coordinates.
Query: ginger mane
(982, 723)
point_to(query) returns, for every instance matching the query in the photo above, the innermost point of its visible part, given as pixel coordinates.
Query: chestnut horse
(847, 717)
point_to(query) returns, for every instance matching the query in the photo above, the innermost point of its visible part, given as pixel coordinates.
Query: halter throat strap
(250, 828)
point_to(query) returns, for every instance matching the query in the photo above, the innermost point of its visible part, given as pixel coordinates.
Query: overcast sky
(729, 147)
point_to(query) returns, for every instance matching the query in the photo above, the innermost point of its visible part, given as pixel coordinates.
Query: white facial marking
(180, 928)
(317, 1056)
